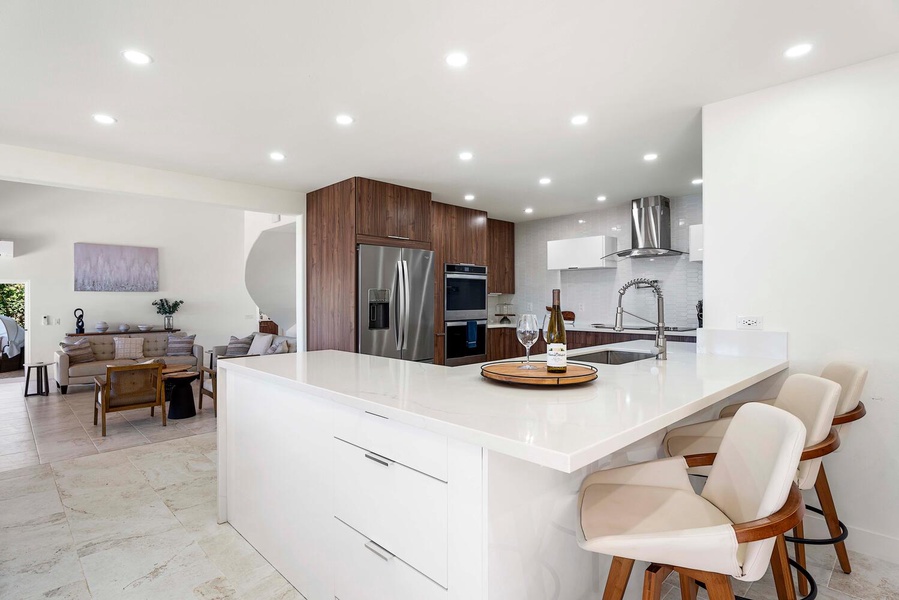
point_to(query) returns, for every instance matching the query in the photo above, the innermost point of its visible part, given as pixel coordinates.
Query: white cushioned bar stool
(734, 528)
(811, 399)
(851, 378)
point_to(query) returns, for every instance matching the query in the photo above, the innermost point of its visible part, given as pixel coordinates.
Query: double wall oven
(465, 313)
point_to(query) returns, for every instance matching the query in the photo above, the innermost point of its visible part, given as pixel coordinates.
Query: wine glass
(527, 332)
(546, 319)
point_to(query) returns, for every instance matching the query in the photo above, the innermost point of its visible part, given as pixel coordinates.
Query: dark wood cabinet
(502, 343)
(390, 211)
(331, 267)
(500, 257)
(458, 235)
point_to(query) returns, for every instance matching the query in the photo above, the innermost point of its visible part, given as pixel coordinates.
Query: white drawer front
(401, 509)
(422, 450)
(367, 571)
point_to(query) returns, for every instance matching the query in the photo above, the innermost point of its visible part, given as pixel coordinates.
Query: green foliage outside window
(12, 301)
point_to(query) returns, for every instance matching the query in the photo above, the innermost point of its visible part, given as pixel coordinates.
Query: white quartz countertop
(564, 428)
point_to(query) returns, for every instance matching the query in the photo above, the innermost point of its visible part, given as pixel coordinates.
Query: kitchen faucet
(661, 342)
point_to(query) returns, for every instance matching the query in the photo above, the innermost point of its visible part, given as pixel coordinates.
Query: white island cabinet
(366, 478)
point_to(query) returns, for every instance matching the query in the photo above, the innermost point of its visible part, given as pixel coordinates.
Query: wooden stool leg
(799, 532)
(780, 567)
(616, 583)
(688, 587)
(652, 581)
(822, 487)
(103, 416)
(719, 588)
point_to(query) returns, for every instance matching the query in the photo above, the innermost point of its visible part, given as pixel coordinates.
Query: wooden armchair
(129, 387)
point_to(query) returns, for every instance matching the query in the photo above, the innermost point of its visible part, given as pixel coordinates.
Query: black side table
(180, 395)
(43, 386)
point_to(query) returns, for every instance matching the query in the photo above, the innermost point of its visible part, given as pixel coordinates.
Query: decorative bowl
(101, 326)
(145, 327)
(124, 327)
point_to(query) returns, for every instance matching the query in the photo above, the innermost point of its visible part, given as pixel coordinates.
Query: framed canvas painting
(106, 268)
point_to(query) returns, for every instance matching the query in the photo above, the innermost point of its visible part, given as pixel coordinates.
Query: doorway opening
(13, 333)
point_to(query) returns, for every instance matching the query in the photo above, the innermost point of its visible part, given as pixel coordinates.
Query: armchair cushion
(78, 352)
(129, 347)
(239, 346)
(180, 345)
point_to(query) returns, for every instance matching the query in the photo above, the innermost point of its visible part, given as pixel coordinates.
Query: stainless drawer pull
(378, 550)
(375, 415)
(379, 459)
(397, 237)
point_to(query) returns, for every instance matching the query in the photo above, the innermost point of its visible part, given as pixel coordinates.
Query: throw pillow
(279, 348)
(261, 343)
(128, 347)
(239, 346)
(180, 345)
(78, 352)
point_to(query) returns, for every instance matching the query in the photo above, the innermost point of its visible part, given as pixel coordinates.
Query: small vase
(168, 322)
(101, 326)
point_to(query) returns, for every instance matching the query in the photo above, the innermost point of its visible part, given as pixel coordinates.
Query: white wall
(597, 289)
(801, 212)
(201, 261)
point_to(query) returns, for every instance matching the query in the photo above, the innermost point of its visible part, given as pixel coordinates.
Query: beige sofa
(104, 351)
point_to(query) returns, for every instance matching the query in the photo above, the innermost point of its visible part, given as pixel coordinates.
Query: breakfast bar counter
(365, 477)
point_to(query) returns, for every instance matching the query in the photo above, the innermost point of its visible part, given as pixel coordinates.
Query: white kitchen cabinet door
(581, 253)
(696, 243)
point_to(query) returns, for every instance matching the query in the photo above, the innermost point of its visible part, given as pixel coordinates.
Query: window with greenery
(12, 301)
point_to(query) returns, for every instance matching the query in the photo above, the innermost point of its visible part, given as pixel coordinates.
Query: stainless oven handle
(464, 276)
(462, 323)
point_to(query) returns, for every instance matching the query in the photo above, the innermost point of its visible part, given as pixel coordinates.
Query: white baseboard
(859, 540)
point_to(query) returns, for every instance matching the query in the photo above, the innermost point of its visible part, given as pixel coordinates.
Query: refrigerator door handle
(400, 308)
(406, 304)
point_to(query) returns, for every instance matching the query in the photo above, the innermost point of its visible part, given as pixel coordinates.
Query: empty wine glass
(527, 332)
(546, 318)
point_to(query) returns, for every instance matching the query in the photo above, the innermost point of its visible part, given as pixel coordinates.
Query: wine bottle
(556, 345)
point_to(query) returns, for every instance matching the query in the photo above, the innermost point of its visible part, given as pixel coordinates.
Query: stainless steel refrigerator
(396, 302)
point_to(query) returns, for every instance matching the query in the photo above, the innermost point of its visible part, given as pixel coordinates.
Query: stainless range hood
(650, 229)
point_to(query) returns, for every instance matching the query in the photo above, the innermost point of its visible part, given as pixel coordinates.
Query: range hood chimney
(650, 229)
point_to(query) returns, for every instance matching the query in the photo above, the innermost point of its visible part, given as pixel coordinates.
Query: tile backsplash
(593, 294)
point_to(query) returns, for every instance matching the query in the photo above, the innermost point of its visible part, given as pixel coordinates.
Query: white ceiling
(233, 80)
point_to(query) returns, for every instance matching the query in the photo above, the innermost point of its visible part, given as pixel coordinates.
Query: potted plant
(167, 309)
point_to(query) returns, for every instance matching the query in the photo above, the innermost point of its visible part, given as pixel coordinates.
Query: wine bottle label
(556, 355)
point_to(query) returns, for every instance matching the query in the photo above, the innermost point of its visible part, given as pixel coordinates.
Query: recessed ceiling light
(344, 119)
(798, 50)
(137, 57)
(104, 119)
(465, 156)
(528, 210)
(581, 221)
(579, 119)
(601, 198)
(456, 59)
(650, 156)
(545, 181)
(278, 156)
(696, 181)
(469, 197)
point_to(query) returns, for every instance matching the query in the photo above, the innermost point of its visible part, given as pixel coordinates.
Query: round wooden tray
(508, 372)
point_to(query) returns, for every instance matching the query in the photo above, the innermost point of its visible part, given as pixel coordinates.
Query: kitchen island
(364, 477)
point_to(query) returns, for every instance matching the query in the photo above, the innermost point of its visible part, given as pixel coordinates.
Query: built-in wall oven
(465, 313)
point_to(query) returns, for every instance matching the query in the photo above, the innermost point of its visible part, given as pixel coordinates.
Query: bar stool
(811, 399)
(734, 528)
(851, 378)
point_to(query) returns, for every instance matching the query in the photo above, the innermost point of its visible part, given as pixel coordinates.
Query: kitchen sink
(612, 357)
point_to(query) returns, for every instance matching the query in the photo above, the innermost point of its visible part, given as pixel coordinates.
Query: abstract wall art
(105, 268)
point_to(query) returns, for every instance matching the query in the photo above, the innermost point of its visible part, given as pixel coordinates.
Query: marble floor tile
(19, 460)
(871, 578)
(157, 433)
(14, 446)
(169, 564)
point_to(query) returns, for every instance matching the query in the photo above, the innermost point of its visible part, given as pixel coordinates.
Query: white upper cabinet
(696, 243)
(581, 253)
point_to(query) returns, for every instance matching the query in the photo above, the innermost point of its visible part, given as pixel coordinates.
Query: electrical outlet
(530, 306)
(58, 321)
(750, 322)
(580, 308)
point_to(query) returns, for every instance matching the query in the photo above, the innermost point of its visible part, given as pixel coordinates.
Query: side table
(180, 395)
(43, 386)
